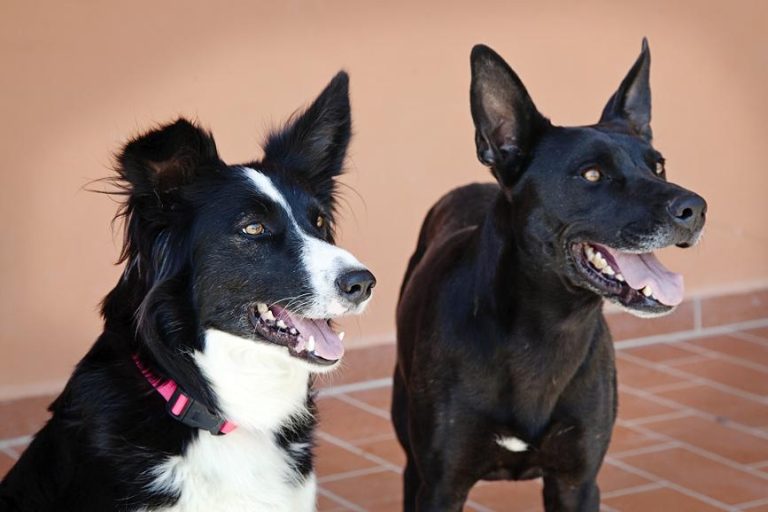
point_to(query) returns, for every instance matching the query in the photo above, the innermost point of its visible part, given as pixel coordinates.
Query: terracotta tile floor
(692, 433)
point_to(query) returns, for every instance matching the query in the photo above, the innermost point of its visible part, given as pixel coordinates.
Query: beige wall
(77, 78)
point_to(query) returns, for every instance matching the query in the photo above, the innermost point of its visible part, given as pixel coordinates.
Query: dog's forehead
(265, 186)
(590, 144)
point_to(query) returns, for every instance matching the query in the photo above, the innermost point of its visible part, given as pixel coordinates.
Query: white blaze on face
(323, 262)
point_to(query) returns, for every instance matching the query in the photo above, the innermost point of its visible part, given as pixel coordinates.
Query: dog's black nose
(688, 210)
(355, 286)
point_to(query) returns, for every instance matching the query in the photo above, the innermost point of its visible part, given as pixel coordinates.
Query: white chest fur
(259, 388)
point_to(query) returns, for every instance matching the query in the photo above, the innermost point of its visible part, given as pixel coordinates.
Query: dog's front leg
(562, 494)
(571, 456)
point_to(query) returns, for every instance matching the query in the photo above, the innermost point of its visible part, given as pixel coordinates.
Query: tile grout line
(10, 452)
(748, 336)
(363, 385)
(632, 490)
(341, 443)
(646, 449)
(751, 504)
(335, 477)
(360, 404)
(674, 415)
(676, 372)
(15, 441)
(716, 354)
(672, 485)
(735, 425)
(701, 452)
(697, 324)
(338, 499)
(673, 386)
(690, 334)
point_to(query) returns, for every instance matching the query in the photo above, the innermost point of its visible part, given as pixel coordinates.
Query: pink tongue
(327, 343)
(641, 270)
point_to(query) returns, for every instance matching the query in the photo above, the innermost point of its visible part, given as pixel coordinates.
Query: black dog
(222, 311)
(505, 363)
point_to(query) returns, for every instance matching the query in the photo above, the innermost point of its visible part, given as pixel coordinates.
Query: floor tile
(625, 326)
(719, 403)
(729, 374)
(613, 478)
(379, 398)
(325, 504)
(388, 449)
(661, 353)
(373, 492)
(350, 423)
(641, 376)
(661, 500)
(625, 439)
(6, 463)
(508, 496)
(715, 437)
(331, 460)
(23, 417)
(362, 364)
(760, 333)
(735, 347)
(710, 478)
(632, 407)
(728, 309)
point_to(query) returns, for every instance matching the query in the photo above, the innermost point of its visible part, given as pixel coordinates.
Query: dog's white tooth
(600, 263)
(281, 324)
(268, 316)
(589, 251)
(647, 291)
(311, 344)
(261, 308)
(293, 331)
(608, 270)
(341, 336)
(620, 277)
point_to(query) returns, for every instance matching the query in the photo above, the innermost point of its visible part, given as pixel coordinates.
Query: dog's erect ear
(313, 143)
(506, 120)
(631, 103)
(153, 166)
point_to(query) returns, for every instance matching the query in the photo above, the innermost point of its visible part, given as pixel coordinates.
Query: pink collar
(183, 407)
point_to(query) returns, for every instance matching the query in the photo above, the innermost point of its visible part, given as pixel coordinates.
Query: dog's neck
(523, 289)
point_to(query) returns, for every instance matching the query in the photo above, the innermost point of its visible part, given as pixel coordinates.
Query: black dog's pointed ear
(153, 166)
(506, 120)
(631, 103)
(313, 143)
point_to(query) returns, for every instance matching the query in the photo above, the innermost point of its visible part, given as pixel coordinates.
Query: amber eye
(659, 170)
(320, 222)
(254, 229)
(592, 174)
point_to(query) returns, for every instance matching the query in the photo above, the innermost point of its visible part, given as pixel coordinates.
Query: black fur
(499, 332)
(188, 267)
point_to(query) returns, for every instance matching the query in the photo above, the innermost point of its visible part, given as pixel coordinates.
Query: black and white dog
(197, 396)
(505, 364)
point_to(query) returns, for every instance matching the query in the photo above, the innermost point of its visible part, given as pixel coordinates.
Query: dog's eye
(320, 222)
(254, 229)
(592, 174)
(659, 169)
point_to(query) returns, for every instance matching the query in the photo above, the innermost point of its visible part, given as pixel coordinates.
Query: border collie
(197, 396)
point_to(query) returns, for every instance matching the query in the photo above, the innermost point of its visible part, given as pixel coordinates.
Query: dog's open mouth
(312, 340)
(637, 281)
